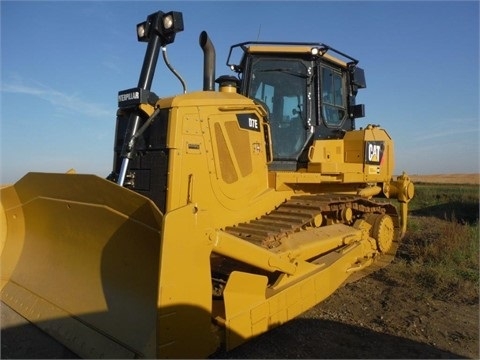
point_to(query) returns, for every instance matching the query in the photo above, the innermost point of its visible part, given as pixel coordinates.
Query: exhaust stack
(208, 62)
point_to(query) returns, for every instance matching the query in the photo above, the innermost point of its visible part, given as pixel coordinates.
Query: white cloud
(444, 133)
(111, 65)
(447, 128)
(60, 100)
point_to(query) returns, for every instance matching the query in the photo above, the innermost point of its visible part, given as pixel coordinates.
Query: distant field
(447, 178)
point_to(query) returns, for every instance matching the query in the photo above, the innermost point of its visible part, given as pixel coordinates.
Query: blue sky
(63, 62)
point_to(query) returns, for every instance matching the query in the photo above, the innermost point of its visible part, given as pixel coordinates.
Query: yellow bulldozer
(227, 212)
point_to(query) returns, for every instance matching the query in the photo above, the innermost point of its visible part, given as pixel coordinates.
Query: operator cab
(307, 93)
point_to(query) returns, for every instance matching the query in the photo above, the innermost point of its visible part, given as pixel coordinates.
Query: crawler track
(302, 212)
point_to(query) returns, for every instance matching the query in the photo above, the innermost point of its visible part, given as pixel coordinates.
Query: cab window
(333, 97)
(281, 86)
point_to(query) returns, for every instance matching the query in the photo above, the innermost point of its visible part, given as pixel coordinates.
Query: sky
(63, 63)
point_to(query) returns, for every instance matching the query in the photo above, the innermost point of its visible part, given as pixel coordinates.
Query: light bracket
(164, 25)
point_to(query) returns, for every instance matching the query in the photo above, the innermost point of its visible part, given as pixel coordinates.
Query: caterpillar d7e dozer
(228, 212)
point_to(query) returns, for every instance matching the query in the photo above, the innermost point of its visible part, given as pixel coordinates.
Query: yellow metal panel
(195, 174)
(326, 151)
(86, 341)
(235, 248)
(226, 168)
(294, 301)
(299, 49)
(242, 147)
(292, 49)
(278, 314)
(90, 251)
(185, 295)
(14, 229)
(259, 314)
(307, 244)
(245, 292)
(223, 148)
(308, 294)
(347, 157)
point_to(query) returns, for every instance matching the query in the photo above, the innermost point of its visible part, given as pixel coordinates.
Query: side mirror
(357, 111)
(358, 78)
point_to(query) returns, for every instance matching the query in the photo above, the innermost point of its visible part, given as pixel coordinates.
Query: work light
(318, 51)
(141, 31)
(172, 23)
(163, 25)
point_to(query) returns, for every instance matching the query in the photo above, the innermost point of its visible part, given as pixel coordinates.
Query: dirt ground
(371, 318)
(367, 319)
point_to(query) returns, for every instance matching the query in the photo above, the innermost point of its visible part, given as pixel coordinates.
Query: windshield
(281, 86)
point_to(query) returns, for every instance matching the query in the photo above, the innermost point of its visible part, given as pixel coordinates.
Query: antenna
(259, 30)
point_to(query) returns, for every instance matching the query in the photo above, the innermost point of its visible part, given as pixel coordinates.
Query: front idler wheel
(383, 231)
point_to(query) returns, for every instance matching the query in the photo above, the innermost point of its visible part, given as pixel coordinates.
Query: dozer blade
(80, 259)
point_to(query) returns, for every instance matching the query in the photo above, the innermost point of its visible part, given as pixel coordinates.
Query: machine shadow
(299, 338)
(324, 339)
(22, 340)
(463, 212)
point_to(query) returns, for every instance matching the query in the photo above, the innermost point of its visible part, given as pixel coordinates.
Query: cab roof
(314, 49)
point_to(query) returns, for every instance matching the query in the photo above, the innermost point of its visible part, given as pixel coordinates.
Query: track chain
(305, 211)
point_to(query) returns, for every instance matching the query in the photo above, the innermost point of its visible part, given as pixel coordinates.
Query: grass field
(441, 248)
